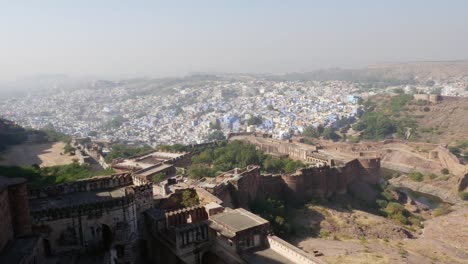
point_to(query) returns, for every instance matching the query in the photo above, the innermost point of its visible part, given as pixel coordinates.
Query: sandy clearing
(44, 155)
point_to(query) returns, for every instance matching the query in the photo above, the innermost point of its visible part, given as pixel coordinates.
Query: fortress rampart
(91, 210)
(247, 185)
(95, 183)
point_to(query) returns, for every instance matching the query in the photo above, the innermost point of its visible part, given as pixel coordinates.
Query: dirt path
(44, 155)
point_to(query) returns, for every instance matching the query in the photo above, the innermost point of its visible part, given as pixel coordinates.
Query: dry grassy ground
(44, 155)
(444, 239)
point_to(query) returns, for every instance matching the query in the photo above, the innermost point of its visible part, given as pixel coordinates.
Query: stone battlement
(95, 183)
(186, 216)
(89, 209)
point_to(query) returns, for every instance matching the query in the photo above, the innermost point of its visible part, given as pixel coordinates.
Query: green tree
(159, 177)
(273, 165)
(124, 151)
(254, 121)
(216, 135)
(292, 165)
(329, 133)
(274, 211)
(311, 131)
(206, 157)
(189, 199)
(198, 171)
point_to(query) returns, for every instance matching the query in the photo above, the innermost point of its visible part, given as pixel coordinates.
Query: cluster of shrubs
(390, 208)
(419, 177)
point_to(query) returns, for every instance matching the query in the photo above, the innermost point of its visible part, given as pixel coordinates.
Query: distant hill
(443, 123)
(387, 73)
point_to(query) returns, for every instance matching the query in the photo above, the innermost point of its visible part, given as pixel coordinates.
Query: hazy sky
(157, 38)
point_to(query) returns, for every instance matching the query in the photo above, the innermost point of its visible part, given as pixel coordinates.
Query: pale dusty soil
(44, 155)
(444, 239)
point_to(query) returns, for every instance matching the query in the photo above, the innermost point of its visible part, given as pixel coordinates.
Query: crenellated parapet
(185, 216)
(92, 209)
(95, 183)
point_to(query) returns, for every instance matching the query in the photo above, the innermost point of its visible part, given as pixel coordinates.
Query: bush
(394, 208)
(324, 233)
(382, 203)
(124, 151)
(159, 177)
(441, 210)
(426, 109)
(445, 171)
(189, 199)
(254, 121)
(216, 135)
(464, 196)
(43, 177)
(416, 176)
(276, 212)
(198, 171)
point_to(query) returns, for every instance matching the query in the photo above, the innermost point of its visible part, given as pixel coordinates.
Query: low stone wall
(291, 252)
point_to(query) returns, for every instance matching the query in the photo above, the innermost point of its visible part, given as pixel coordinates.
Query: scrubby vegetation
(216, 135)
(225, 157)
(159, 177)
(460, 150)
(388, 206)
(41, 177)
(442, 210)
(464, 196)
(274, 211)
(255, 121)
(416, 176)
(384, 121)
(189, 199)
(12, 134)
(124, 151)
(319, 131)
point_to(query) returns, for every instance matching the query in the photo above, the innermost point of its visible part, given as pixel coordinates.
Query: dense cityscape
(234, 132)
(189, 111)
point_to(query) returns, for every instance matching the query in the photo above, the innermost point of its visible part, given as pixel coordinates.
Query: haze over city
(233, 132)
(122, 39)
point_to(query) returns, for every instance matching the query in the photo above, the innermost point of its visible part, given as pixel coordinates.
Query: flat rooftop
(154, 170)
(238, 220)
(76, 198)
(149, 159)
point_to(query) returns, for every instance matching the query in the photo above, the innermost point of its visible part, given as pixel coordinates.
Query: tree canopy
(237, 155)
(124, 151)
